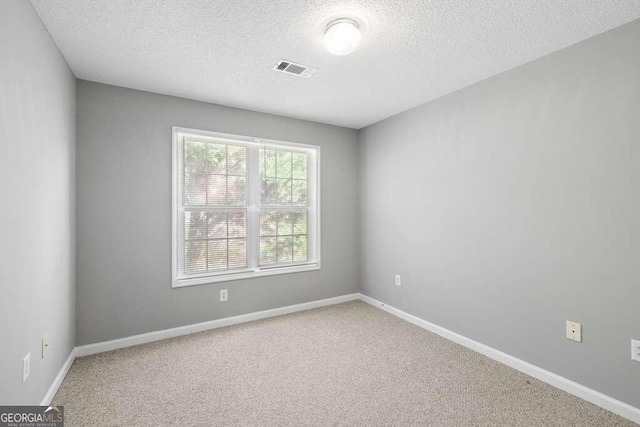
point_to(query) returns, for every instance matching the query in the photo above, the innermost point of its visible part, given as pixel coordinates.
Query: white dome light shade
(342, 36)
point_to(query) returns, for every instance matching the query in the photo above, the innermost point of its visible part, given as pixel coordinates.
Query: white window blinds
(242, 207)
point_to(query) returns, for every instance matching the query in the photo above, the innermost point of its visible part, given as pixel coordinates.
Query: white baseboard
(101, 347)
(555, 380)
(86, 350)
(625, 410)
(58, 379)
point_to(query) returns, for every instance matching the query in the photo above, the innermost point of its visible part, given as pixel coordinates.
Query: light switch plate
(574, 331)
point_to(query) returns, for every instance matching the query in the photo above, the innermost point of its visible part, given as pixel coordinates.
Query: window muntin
(243, 207)
(214, 240)
(214, 174)
(284, 177)
(285, 185)
(283, 237)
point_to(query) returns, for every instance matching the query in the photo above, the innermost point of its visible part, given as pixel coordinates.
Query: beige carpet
(349, 364)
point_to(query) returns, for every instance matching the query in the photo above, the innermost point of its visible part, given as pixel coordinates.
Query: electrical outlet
(26, 365)
(574, 331)
(398, 280)
(45, 345)
(635, 350)
(224, 295)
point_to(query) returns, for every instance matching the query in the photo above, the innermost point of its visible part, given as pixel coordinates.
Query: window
(242, 207)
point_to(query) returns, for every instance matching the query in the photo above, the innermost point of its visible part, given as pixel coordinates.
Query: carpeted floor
(349, 364)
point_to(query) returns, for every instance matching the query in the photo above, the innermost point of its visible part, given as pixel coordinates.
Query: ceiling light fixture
(342, 36)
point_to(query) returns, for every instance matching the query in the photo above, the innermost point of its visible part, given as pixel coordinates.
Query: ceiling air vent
(295, 69)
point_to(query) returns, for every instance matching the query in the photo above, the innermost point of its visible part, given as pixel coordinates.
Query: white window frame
(253, 206)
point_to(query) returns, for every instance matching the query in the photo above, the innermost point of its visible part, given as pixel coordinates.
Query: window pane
(290, 186)
(299, 192)
(284, 192)
(217, 254)
(217, 156)
(237, 224)
(195, 225)
(267, 163)
(269, 191)
(236, 160)
(237, 253)
(195, 257)
(215, 174)
(291, 242)
(300, 223)
(300, 248)
(268, 223)
(195, 189)
(221, 243)
(236, 186)
(283, 164)
(285, 223)
(285, 249)
(217, 190)
(268, 254)
(217, 225)
(299, 169)
(195, 157)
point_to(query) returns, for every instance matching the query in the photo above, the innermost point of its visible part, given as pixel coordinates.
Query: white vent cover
(295, 69)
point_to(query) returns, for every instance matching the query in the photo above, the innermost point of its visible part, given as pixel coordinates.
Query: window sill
(179, 283)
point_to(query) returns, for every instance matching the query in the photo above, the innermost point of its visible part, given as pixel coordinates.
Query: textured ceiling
(222, 51)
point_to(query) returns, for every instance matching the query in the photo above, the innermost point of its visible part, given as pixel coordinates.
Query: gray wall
(124, 214)
(37, 167)
(513, 205)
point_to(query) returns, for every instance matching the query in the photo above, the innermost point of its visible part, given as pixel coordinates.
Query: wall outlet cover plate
(26, 367)
(574, 331)
(635, 350)
(45, 345)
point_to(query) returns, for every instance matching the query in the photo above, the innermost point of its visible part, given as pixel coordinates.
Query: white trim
(316, 209)
(174, 204)
(245, 275)
(623, 409)
(235, 137)
(86, 350)
(252, 143)
(57, 381)
(590, 395)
